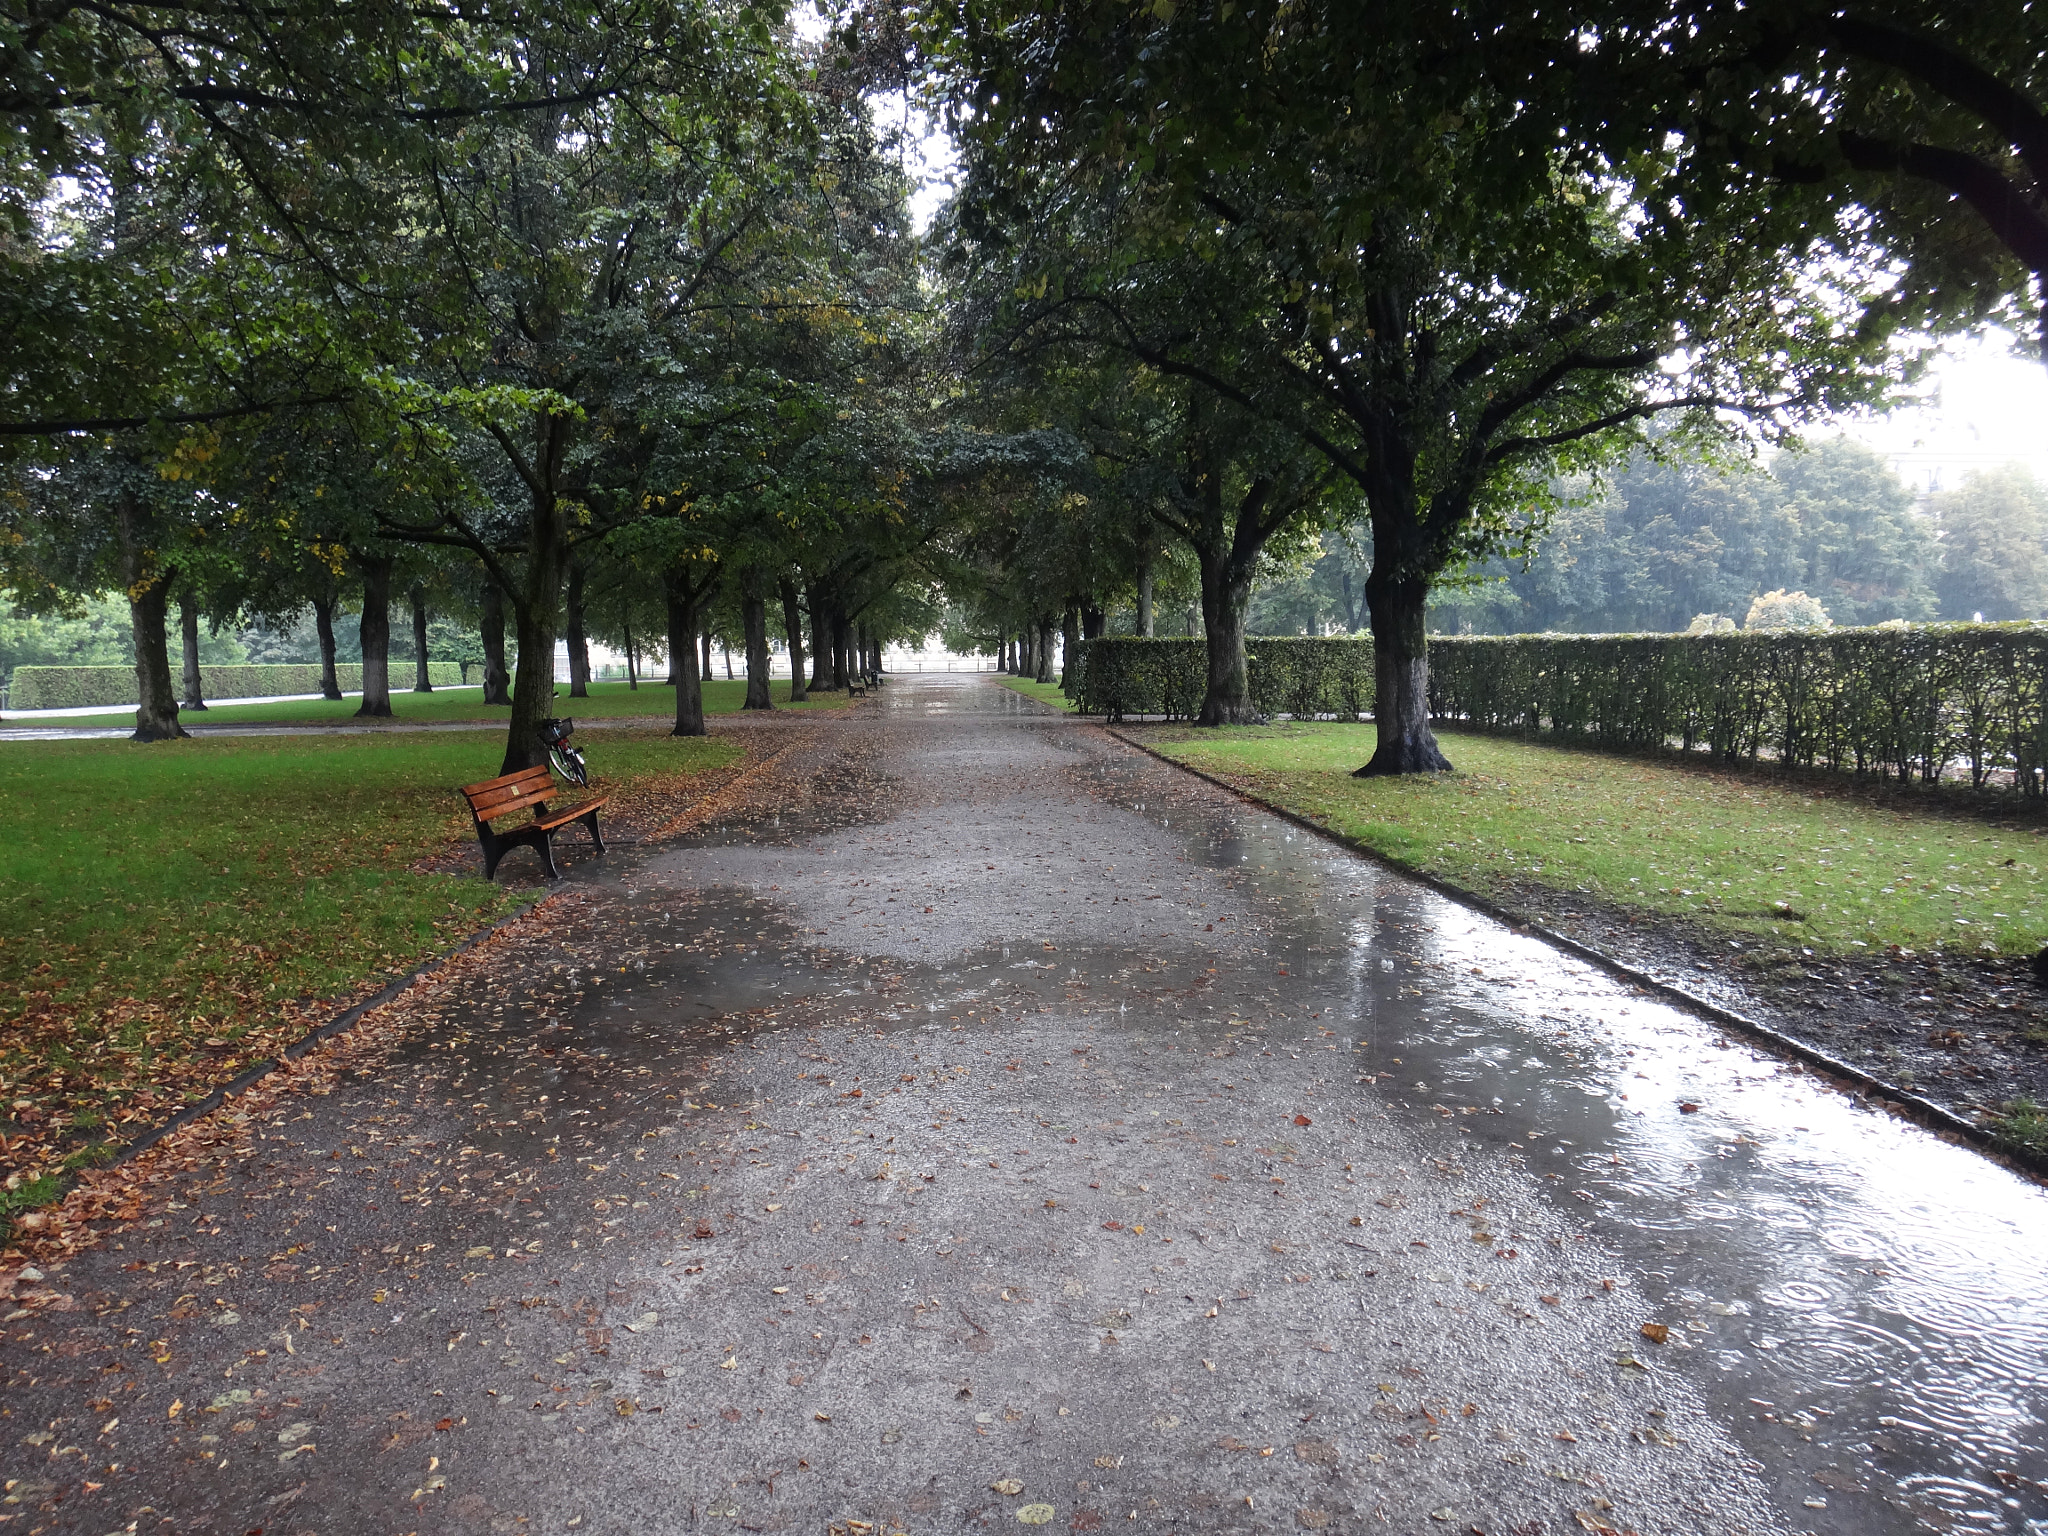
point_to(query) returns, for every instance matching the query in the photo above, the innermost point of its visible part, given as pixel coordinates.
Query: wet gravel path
(981, 1124)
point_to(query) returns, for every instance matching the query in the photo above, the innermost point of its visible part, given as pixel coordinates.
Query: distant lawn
(1045, 693)
(161, 907)
(1728, 850)
(607, 701)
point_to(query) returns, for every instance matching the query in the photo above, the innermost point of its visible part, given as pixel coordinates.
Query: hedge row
(83, 687)
(1923, 701)
(1290, 675)
(1920, 701)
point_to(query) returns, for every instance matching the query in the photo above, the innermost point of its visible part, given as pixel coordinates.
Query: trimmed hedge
(1918, 701)
(114, 687)
(1289, 674)
(1911, 702)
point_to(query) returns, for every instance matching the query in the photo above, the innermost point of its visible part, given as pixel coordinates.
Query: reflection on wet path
(1864, 1304)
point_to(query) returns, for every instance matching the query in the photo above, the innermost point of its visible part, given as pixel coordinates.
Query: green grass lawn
(1045, 693)
(1734, 851)
(162, 906)
(607, 701)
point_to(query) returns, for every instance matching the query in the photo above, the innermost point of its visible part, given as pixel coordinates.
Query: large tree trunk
(149, 586)
(1145, 597)
(842, 646)
(1093, 621)
(821, 638)
(1225, 591)
(1044, 672)
(793, 630)
(421, 681)
(1070, 652)
(323, 626)
(497, 679)
(754, 619)
(579, 643)
(1401, 680)
(683, 601)
(188, 632)
(538, 607)
(375, 629)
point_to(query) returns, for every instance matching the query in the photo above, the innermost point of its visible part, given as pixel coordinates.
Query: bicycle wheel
(568, 762)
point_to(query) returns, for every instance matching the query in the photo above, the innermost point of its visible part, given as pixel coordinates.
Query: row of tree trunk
(840, 648)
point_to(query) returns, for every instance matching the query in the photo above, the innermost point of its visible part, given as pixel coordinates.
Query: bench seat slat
(563, 818)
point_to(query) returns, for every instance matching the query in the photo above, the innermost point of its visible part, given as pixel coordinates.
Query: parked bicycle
(565, 759)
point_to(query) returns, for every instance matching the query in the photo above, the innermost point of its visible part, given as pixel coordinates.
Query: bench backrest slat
(512, 792)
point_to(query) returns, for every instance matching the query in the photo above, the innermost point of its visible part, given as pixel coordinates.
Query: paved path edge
(1943, 1122)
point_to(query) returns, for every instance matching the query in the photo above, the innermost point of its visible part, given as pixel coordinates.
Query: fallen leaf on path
(1006, 1485)
(1035, 1514)
(1656, 1333)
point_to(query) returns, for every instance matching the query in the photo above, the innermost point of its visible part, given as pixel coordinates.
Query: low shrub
(113, 687)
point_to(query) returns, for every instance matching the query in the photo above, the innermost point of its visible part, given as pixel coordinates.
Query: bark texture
(421, 682)
(1401, 681)
(149, 588)
(684, 599)
(323, 626)
(188, 634)
(754, 619)
(497, 679)
(1043, 673)
(793, 631)
(579, 644)
(375, 629)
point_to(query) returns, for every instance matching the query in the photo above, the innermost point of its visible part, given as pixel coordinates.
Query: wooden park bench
(857, 684)
(497, 798)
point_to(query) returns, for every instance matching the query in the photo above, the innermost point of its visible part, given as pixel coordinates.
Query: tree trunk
(1401, 680)
(632, 659)
(683, 601)
(704, 654)
(842, 643)
(188, 632)
(421, 682)
(821, 638)
(579, 643)
(156, 712)
(1145, 597)
(538, 607)
(323, 626)
(375, 629)
(1226, 589)
(793, 630)
(1070, 653)
(497, 679)
(1093, 622)
(1044, 672)
(754, 619)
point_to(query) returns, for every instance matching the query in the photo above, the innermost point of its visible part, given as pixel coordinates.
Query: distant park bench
(497, 798)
